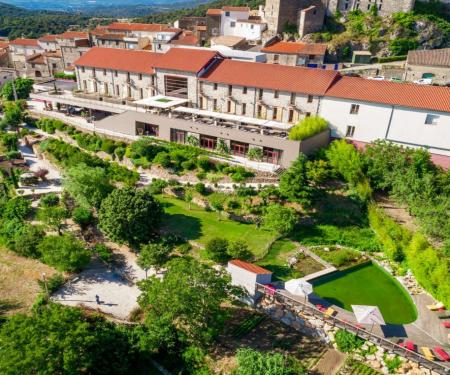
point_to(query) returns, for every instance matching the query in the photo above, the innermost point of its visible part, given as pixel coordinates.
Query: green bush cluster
(49, 125)
(69, 156)
(308, 127)
(429, 266)
(221, 250)
(346, 341)
(62, 75)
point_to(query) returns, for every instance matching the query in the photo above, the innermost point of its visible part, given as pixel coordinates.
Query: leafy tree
(252, 362)
(217, 202)
(16, 208)
(27, 239)
(346, 161)
(10, 141)
(62, 340)
(65, 253)
(185, 305)
(103, 252)
(23, 89)
(49, 200)
(153, 255)
(239, 250)
(294, 182)
(88, 186)
(13, 115)
(188, 198)
(318, 171)
(217, 250)
(130, 215)
(279, 218)
(53, 217)
(82, 216)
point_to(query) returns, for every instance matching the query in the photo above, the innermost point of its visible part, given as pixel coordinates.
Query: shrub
(119, 152)
(157, 186)
(200, 188)
(26, 241)
(108, 146)
(347, 342)
(346, 161)
(16, 208)
(255, 153)
(65, 253)
(49, 200)
(10, 155)
(82, 216)
(217, 250)
(188, 165)
(239, 250)
(103, 252)
(308, 127)
(163, 159)
(201, 175)
(53, 283)
(279, 218)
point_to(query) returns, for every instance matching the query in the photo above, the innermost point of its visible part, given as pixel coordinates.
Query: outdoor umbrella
(298, 287)
(368, 315)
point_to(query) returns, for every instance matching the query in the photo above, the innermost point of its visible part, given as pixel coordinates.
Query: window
(312, 57)
(307, 114)
(244, 90)
(350, 131)
(432, 119)
(310, 98)
(232, 24)
(54, 65)
(214, 104)
(252, 27)
(115, 73)
(276, 58)
(230, 90)
(354, 109)
(215, 86)
(140, 77)
(104, 72)
(83, 69)
(117, 90)
(260, 94)
(291, 115)
(228, 106)
(141, 93)
(292, 101)
(276, 94)
(227, 14)
(176, 86)
(93, 72)
(274, 113)
(244, 108)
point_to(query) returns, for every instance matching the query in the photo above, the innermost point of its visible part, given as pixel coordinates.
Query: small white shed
(246, 275)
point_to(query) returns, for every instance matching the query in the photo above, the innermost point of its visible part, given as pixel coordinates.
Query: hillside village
(228, 190)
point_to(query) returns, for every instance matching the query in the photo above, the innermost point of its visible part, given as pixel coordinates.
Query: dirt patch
(330, 363)
(269, 336)
(307, 265)
(398, 213)
(18, 281)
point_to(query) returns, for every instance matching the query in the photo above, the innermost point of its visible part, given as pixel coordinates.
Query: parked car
(424, 81)
(377, 78)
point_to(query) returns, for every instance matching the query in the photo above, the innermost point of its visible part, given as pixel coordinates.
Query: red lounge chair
(320, 307)
(408, 345)
(441, 354)
(269, 289)
(446, 324)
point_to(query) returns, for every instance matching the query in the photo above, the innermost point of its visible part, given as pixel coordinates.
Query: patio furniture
(427, 353)
(269, 289)
(446, 324)
(320, 307)
(330, 311)
(436, 306)
(441, 354)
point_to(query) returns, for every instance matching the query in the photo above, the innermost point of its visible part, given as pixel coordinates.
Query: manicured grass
(368, 284)
(200, 226)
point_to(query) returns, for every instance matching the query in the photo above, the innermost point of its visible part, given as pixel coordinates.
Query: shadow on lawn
(6, 306)
(187, 227)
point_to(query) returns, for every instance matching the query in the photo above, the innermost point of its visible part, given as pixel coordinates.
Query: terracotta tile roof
(25, 42)
(435, 57)
(48, 38)
(171, 30)
(249, 267)
(37, 58)
(56, 54)
(184, 59)
(392, 93)
(295, 48)
(111, 36)
(228, 40)
(119, 59)
(214, 12)
(74, 35)
(235, 9)
(185, 39)
(136, 26)
(4, 44)
(270, 76)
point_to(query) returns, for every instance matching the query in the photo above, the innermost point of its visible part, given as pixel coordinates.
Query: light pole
(45, 284)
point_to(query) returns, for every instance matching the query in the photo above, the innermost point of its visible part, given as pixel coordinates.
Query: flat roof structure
(161, 101)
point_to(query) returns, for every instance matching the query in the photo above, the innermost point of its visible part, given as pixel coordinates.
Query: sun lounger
(408, 345)
(427, 353)
(330, 311)
(441, 354)
(446, 324)
(436, 306)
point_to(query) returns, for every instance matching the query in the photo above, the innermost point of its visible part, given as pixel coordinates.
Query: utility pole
(45, 284)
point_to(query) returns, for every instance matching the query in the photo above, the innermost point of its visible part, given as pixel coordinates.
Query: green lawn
(368, 285)
(200, 226)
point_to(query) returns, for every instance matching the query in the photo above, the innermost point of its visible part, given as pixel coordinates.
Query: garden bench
(441, 354)
(428, 354)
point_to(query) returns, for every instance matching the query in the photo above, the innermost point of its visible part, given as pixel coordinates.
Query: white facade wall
(246, 279)
(229, 18)
(400, 125)
(140, 87)
(48, 46)
(249, 30)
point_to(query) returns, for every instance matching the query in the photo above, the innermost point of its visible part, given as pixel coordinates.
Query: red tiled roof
(74, 35)
(435, 57)
(214, 12)
(270, 76)
(294, 48)
(184, 59)
(235, 9)
(119, 59)
(392, 93)
(48, 38)
(25, 42)
(186, 39)
(4, 44)
(171, 30)
(37, 58)
(136, 26)
(250, 267)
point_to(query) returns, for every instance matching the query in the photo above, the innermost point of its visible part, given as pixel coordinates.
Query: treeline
(200, 10)
(17, 22)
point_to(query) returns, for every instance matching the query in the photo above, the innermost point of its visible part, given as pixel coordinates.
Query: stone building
(430, 64)
(295, 53)
(44, 65)
(385, 7)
